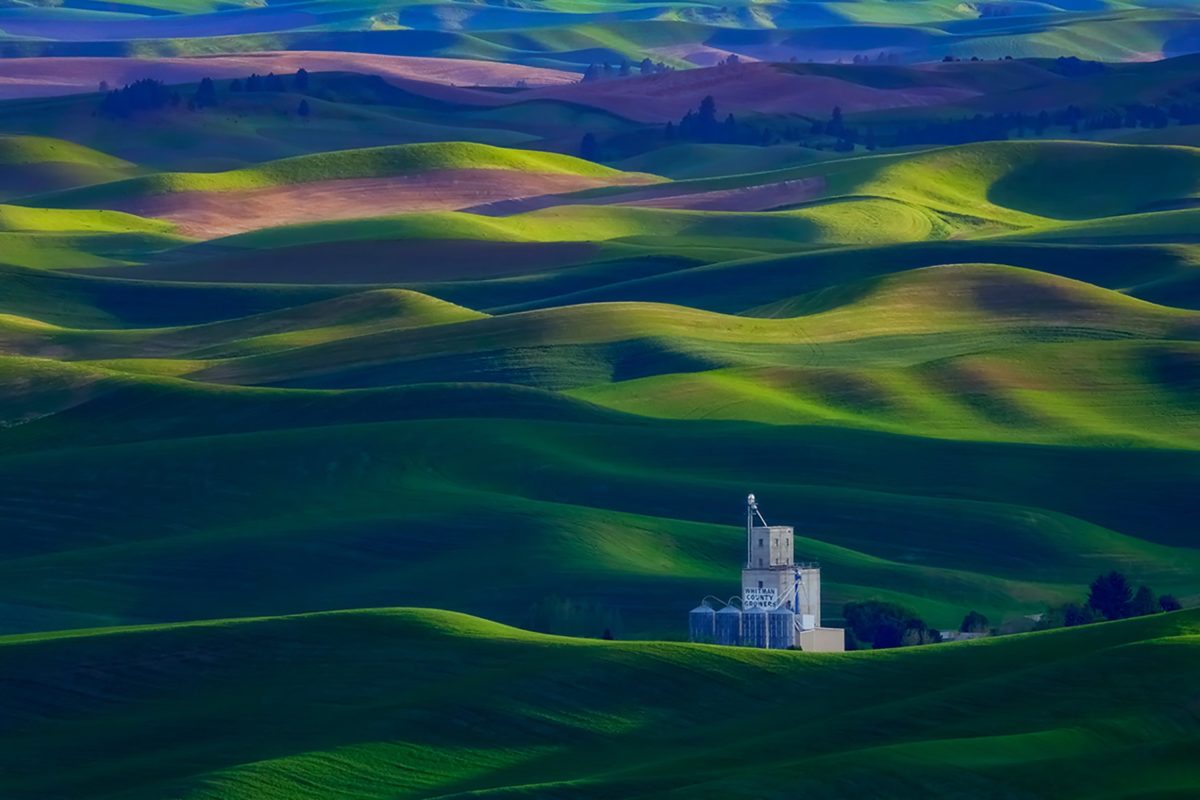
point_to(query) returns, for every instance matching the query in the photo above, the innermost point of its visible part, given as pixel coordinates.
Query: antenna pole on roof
(751, 510)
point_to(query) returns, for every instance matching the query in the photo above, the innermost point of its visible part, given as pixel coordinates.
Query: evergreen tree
(729, 131)
(974, 622)
(1144, 602)
(146, 94)
(647, 66)
(1111, 596)
(1168, 603)
(301, 79)
(687, 125)
(706, 119)
(303, 109)
(206, 94)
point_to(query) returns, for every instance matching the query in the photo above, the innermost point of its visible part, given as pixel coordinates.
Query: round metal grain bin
(781, 629)
(702, 625)
(754, 627)
(728, 626)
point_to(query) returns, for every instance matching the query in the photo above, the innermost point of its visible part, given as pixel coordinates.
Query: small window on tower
(760, 584)
(760, 562)
(760, 542)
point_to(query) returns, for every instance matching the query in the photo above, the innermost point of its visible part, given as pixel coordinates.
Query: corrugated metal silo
(781, 625)
(702, 624)
(728, 626)
(754, 627)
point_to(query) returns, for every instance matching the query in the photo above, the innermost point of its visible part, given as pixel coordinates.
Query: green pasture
(381, 704)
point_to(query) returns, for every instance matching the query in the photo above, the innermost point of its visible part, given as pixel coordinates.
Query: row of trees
(700, 125)
(146, 94)
(149, 94)
(606, 71)
(980, 127)
(271, 82)
(1111, 596)
(880, 58)
(704, 125)
(880, 625)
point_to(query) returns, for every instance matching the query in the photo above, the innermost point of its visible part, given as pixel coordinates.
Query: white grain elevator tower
(772, 578)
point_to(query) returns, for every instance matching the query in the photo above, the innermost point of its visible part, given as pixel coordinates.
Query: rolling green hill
(339, 165)
(377, 704)
(912, 406)
(35, 164)
(963, 192)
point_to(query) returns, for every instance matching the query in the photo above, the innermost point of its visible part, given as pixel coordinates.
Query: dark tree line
(1111, 596)
(993, 127)
(149, 94)
(606, 71)
(1131, 116)
(845, 137)
(705, 125)
(880, 625)
(146, 94)
(880, 58)
(271, 82)
(1075, 67)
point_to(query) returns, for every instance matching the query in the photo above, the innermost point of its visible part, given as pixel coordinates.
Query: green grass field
(376, 704)
(880, 317)
(379, 162)
(340, 508)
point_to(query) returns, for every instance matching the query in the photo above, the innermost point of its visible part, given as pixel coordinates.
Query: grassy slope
(254, 127)
(892, 353)
(333, 504)
(376, 704)
(34, 164)
(940, 312)
(968, 308)
(47, 238)
(1037, 393)
(955, 192)
(982, 357)
(683, 161)
(342, 164)
(23, 150)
